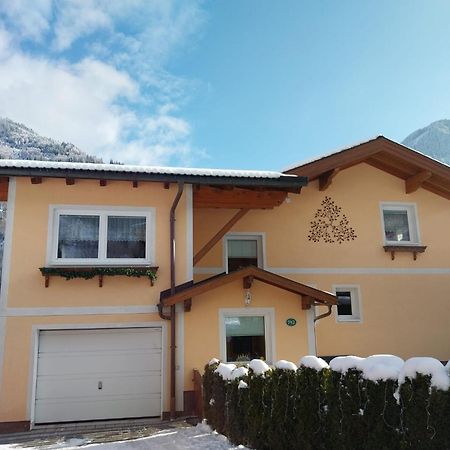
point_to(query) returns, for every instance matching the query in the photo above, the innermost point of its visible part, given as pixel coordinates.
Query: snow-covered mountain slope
(19, 142)
(433, 140)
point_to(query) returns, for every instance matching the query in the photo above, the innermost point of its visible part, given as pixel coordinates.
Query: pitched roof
(148, 173)
(189, 290)
(417, 169)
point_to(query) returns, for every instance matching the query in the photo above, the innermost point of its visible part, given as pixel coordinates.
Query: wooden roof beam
(219, 235)
(326, 178)
(415, 181)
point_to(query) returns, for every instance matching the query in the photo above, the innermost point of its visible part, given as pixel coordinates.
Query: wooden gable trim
(249, 274)
(416, 169)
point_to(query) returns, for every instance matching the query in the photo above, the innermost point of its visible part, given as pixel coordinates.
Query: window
(242, 251)
(245, 338)
(101, 236)
(246, 334)
(399, 224)
(348, 303)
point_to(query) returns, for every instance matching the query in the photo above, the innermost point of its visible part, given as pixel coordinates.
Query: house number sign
(291, 322)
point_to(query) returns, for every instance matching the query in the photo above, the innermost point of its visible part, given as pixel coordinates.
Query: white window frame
(260, 239)
(269, 329)
(55, 211)
(355, 295)
(413, 222)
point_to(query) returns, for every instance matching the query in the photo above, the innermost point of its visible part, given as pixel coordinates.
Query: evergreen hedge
(310, 409)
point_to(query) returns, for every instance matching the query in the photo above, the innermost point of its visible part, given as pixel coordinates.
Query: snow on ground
(191, 438)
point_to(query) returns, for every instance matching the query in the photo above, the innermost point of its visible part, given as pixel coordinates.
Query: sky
(253, 84)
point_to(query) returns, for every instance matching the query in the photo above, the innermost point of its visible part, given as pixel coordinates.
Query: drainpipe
(321, 316)
(171, 315)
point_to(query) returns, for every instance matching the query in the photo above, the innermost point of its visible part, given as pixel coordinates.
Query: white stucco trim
(79, 311)
(34, 348)
(6, 266)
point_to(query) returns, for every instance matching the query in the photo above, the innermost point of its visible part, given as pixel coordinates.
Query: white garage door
(98, 374)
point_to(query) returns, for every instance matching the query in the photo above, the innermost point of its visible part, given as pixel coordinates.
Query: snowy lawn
(199, 437)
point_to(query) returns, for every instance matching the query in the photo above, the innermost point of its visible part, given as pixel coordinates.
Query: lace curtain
(79, 236)
(396, 225)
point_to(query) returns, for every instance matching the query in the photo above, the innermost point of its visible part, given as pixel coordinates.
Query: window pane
(396, 226)
(344, 305)
(241, 248)
(245, 338)
(78, 236)
(242, 253)
(126, 237)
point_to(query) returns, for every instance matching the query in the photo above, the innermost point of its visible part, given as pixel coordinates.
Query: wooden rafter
(415, 181)
(326, 179)
(36, 180)
(70, 181)
(219, 235)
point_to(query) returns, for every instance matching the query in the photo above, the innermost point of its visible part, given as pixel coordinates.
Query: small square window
(399, 224)
(245, 336)
(348, 304)
(242, 251)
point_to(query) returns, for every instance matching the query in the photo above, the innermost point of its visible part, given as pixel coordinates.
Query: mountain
(20, 142)
(433, 140)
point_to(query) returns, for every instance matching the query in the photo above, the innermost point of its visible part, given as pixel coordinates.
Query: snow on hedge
(259, 366)
(239, 372)
(313, 362)
(381, 367)
(426, 366)
(344, 363)
(242, 385)
(225, 370)
(286, 365)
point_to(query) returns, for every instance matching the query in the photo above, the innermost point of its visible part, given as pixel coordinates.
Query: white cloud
(117, 101)
(30, 17)
(79, 18)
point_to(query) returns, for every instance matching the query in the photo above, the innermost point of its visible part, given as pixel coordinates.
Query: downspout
(321, 316)
(171, 316)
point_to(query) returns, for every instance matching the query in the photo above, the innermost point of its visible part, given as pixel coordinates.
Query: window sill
(87, 273)
(409, 248)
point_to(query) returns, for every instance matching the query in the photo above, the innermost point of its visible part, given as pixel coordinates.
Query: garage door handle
(100, 385)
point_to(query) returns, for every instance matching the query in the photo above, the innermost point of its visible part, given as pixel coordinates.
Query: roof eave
(282, 182)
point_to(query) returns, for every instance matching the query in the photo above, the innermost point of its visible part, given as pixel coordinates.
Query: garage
(98, 374)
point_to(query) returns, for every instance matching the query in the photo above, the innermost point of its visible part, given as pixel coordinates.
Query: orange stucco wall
(402, 314)
(26, 284)
(202, 327)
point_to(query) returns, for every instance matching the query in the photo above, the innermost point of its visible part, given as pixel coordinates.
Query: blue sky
(227, 83)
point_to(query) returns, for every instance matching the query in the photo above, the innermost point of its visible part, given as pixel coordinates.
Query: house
(118, 281)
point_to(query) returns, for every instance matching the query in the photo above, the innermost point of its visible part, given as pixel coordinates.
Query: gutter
(171, 315)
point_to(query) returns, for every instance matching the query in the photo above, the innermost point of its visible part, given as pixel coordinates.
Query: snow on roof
(343, 149)
(160, 170)
(325, 155)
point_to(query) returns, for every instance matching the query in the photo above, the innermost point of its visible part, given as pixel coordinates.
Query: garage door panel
(89, 409)
(68, 387)
(100, 340)
(71, 363)
(80, 363)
